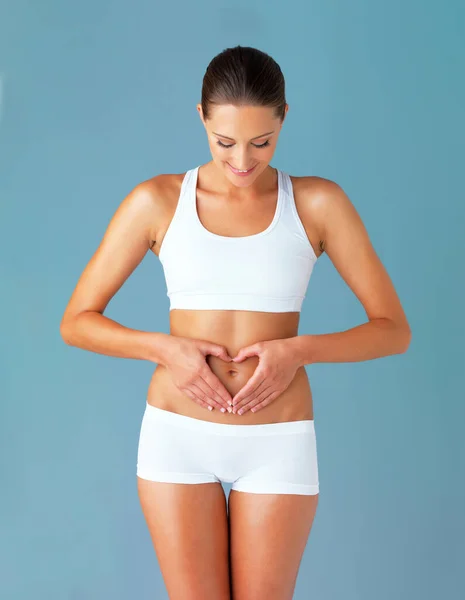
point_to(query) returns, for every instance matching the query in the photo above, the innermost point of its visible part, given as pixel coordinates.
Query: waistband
(235, 301)
(166, 416)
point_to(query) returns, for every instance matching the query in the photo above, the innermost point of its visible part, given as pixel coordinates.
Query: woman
(230, 399)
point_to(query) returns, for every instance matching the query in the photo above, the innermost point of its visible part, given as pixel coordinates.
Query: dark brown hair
(243, 75)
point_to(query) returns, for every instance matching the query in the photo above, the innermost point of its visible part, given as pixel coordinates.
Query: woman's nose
(242, 161)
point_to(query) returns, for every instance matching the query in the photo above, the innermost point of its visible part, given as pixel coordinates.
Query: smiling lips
(240, 171)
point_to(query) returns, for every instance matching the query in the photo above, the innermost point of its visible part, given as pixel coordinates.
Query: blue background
(98, 96)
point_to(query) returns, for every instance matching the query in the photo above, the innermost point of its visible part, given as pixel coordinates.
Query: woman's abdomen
(294, 404)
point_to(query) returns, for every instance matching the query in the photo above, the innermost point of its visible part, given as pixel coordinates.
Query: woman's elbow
(66, 331)
(406, 337)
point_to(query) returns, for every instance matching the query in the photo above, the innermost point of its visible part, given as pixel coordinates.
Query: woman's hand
(185, 360)
(276, 368)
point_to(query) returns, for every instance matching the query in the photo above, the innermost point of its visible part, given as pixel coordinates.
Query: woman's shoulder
(163, 189)
(312, 191)
(312, 183)
(161, 182)
(315, 194)
(312, 196)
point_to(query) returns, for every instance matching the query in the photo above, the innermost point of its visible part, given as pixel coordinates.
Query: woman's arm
(347, 244)
(125, 242)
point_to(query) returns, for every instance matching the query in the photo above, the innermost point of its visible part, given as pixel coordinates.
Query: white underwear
(271, 458)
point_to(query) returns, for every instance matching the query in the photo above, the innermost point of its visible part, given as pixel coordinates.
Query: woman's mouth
(241, 172)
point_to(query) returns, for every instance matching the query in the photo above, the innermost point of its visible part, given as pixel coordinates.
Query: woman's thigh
(268, 535)
(188, 525)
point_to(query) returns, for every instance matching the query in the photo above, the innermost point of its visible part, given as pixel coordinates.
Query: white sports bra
(268, 271)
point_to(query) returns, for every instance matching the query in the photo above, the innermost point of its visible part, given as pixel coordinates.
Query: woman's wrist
(299, 345)
(159, 347)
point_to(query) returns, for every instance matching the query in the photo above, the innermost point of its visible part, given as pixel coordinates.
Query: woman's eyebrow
(255, 138)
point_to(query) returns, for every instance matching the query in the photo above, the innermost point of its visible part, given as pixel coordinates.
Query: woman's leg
(268, 535)
(188, 525)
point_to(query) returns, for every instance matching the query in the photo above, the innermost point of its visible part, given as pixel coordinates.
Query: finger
(265, 402)
(265, 398)
(203, 392)
(210, 395)
(219, 351)
(195, 398)
(254, 384)
(246, 353)
(247, 395)
(221, 393)
(251, 385)
(247, 403)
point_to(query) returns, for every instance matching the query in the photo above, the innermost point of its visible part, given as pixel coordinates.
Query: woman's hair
(243, 75)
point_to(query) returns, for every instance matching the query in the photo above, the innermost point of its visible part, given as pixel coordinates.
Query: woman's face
(242, 137)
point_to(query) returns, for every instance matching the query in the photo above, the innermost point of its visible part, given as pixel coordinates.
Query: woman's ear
(199, 108)
(286, 108)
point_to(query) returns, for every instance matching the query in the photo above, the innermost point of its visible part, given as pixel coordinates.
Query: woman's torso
(233, 329)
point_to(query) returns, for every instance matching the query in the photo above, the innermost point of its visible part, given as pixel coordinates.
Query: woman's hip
(268, 458)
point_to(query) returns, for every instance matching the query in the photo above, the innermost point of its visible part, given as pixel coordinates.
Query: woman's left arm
(348, 245)
(387, 331)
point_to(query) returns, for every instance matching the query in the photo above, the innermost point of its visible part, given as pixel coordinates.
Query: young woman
(230, 399)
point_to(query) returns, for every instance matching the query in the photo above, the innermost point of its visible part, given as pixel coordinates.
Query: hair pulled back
(243, 76)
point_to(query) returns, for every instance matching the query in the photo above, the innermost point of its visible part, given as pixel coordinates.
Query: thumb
(219, 351)
(245, 353)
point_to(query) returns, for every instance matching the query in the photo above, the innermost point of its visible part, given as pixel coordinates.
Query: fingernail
(223, 410)
(210, 408)
(241, 411)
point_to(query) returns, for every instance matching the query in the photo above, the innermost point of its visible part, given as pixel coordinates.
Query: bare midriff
(233, 329)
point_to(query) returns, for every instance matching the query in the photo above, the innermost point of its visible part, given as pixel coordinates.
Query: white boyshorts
(271, 458)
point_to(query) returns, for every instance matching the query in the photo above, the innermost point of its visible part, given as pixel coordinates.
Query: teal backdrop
(98, 96)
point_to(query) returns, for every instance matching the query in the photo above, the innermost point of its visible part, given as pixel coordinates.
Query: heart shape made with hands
(242, 355)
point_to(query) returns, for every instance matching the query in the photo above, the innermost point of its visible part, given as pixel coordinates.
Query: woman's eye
(267, 143)
(264, 145)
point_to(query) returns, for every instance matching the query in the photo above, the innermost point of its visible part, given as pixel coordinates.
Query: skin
(252, 546)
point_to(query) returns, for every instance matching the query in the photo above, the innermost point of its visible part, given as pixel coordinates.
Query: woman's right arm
(124, 244)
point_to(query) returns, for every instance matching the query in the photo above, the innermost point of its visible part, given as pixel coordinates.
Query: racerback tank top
(268, 271)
